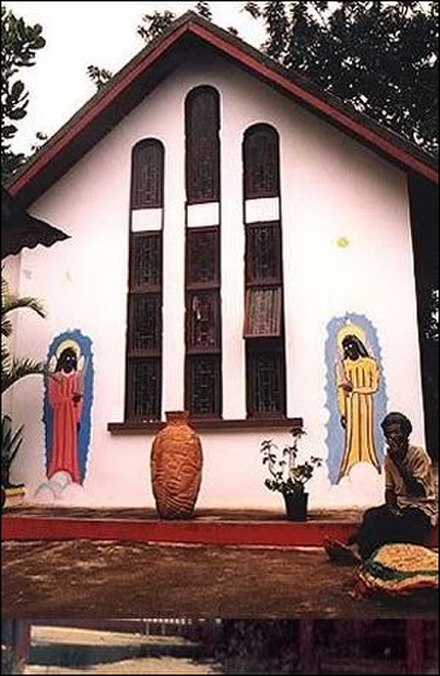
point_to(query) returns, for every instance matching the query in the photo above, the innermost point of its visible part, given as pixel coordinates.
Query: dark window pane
(203, 385)
(263, 253)
(261, 162)
(145, 323)
(202, 145)
(262, 313)
(146, 260)
(147, 175)
(203, 256)
(265, 382)
(203, 320)
(144, 389)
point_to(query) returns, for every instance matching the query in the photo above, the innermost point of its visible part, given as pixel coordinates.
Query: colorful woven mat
(400, 570)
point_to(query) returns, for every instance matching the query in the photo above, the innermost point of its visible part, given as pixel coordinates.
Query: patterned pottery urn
(176, 467)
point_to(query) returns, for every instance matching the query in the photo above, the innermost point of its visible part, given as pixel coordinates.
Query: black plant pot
(296, 506)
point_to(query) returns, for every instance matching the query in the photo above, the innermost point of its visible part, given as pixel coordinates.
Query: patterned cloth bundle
(399, 570)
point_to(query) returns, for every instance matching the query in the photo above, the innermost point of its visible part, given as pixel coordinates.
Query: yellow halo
(65, 344)
(350, 330)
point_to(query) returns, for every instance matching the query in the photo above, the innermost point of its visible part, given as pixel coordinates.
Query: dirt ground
(84, 579)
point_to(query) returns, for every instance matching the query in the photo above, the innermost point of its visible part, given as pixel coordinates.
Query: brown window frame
(197, 142)
(269, 347)
(150, 359)
(263, 329)
(267, 321)
(194, 352)
(154, 201)
(251, 188)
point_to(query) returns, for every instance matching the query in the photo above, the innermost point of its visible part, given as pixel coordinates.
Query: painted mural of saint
(65, 391)
(357, 381)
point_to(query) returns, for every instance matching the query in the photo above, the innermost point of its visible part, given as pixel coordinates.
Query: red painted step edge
(285, 534)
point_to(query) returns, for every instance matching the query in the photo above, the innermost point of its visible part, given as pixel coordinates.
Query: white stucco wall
(331, 187)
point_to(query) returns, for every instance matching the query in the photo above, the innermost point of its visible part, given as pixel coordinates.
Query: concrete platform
(215, 527)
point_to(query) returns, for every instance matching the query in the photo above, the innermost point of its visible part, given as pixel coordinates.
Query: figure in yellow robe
(357, 380)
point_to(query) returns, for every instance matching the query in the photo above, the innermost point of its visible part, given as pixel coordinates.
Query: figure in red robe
(65, 393)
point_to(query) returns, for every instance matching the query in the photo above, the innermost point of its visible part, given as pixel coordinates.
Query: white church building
(229, 226)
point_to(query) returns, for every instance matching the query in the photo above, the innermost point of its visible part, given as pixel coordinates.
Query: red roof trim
(330, 111)
(342, 119)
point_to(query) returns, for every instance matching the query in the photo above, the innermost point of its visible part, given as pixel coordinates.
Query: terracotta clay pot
(176, 467)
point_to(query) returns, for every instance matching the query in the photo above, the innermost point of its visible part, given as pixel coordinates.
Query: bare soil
(83, 579)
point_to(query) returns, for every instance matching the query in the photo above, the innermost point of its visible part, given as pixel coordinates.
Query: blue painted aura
(85, 345)
(335, 431)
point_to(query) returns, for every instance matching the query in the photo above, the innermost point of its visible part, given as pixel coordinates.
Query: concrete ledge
(245, 527)
(263, 533)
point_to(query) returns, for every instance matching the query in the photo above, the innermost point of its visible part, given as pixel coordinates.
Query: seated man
(410, 508)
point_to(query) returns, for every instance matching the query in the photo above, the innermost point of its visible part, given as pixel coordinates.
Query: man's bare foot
(341, 553)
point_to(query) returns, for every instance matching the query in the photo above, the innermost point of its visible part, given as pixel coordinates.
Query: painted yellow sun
(343, 242)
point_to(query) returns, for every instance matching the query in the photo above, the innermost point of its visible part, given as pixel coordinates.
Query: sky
(79, 34)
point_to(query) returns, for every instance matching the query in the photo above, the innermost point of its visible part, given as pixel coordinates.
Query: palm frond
(19, 368)
(13, 302)
(6, 326)
(11, 442)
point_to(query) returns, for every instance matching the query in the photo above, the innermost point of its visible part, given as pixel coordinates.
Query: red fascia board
(341, 118)
(95, 111)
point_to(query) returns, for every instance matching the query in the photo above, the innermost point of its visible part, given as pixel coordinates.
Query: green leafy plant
(11, 442)
(288, 475)
(15, 368)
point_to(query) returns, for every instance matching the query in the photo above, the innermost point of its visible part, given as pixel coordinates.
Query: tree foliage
(381, 58)
(20, 43)
(204, 10)
(99, 76)
(154, 25)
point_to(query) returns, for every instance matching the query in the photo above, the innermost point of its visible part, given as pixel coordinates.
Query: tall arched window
(202, 124)
(202, 269)
(147, 174)
(261, 162)
(144, 314)
(264, 320)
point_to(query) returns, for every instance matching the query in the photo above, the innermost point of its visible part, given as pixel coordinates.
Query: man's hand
(414, 488)
(391, 501)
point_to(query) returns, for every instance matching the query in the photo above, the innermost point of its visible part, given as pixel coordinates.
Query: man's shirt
(417, 465)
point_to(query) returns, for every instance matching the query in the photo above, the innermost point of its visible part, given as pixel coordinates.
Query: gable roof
(192, 33)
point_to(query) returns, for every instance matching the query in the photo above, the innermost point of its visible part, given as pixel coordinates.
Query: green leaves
(19, 44)
(15, 368)
(379, 58)
(288, 475)
(11, 442)
(99, 76)
(155, 25)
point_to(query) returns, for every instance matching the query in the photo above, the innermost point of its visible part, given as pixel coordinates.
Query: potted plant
(288, 475)
(11, 442)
